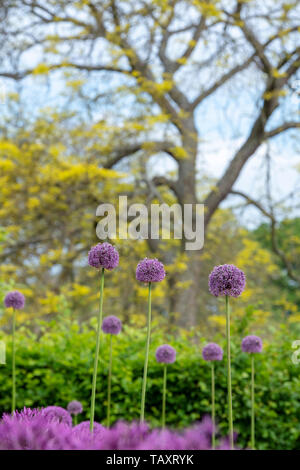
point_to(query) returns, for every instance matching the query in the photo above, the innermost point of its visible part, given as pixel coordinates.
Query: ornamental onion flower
(252, 344)
(102, 256)
(16, 301)
(212, 352)
(165, 354)
(37, 434)
(82, 430)
(58, 414)
(229, 281)
(148, 270)
(111, 325)
(74, 408)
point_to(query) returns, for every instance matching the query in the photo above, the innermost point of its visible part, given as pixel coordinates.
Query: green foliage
(55, 366)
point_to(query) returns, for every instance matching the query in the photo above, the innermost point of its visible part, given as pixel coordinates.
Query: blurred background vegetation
(162, 101)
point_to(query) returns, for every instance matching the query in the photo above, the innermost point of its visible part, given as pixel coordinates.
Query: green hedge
(55, 366)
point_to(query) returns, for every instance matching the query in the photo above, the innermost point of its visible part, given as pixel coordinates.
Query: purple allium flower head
(227, 279)
(124, 436)
(103, 255)
(212, 352)
(82, 431)
(15, 300)
(165, 354)
(162, 440)
(111, 325)
(150, 270)
(252, 344)
(36, 433)
(74, 407)
(27, 414)
(198, 437)
(57, 414)
(85, 426)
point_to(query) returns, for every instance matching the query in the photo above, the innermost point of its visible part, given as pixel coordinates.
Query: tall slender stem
(92, 417)
(213, 405)
(229, 387)
(252, 404)
(146, 356)
(75, 420)
(109, 381)
(13, 402)
(163, 421)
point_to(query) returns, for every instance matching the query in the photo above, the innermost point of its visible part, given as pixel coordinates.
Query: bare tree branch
(227, 76)
(163, 181)
(273, 229)
(128, 150)
(283, 127)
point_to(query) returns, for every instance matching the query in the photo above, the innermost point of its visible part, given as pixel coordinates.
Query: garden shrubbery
(55, 366)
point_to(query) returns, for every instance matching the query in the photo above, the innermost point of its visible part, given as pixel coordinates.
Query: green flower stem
(230, 420)
(13, 402)
(213, 404)
(252, 404)
(163, 420)
(109, 381)
(75, 420)
(146, 356)
(92, 414)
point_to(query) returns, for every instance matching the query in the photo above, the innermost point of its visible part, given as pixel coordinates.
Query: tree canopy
(138, 80)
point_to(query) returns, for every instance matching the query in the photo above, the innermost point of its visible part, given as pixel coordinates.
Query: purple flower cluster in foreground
(40, 430)
(212, 352)
(111, 325)
(252, 344)
(226, 279)
(150, 270)
(15, 300)
(165, 354)
(103, 255)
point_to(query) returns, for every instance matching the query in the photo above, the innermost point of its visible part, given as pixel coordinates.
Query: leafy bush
(55, 366)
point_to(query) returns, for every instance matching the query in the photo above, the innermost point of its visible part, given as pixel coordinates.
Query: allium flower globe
(37, 434)
(15, 300)
(57, 414)
(165, 354)
(74, 407)
(150, 270)
(212, 352)
(227, 280)
(85, 427)
(111, 325)
(25, 414)
(252, 344)
(103, 255)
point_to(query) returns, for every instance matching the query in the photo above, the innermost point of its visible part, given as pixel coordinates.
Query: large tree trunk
(184, 305)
